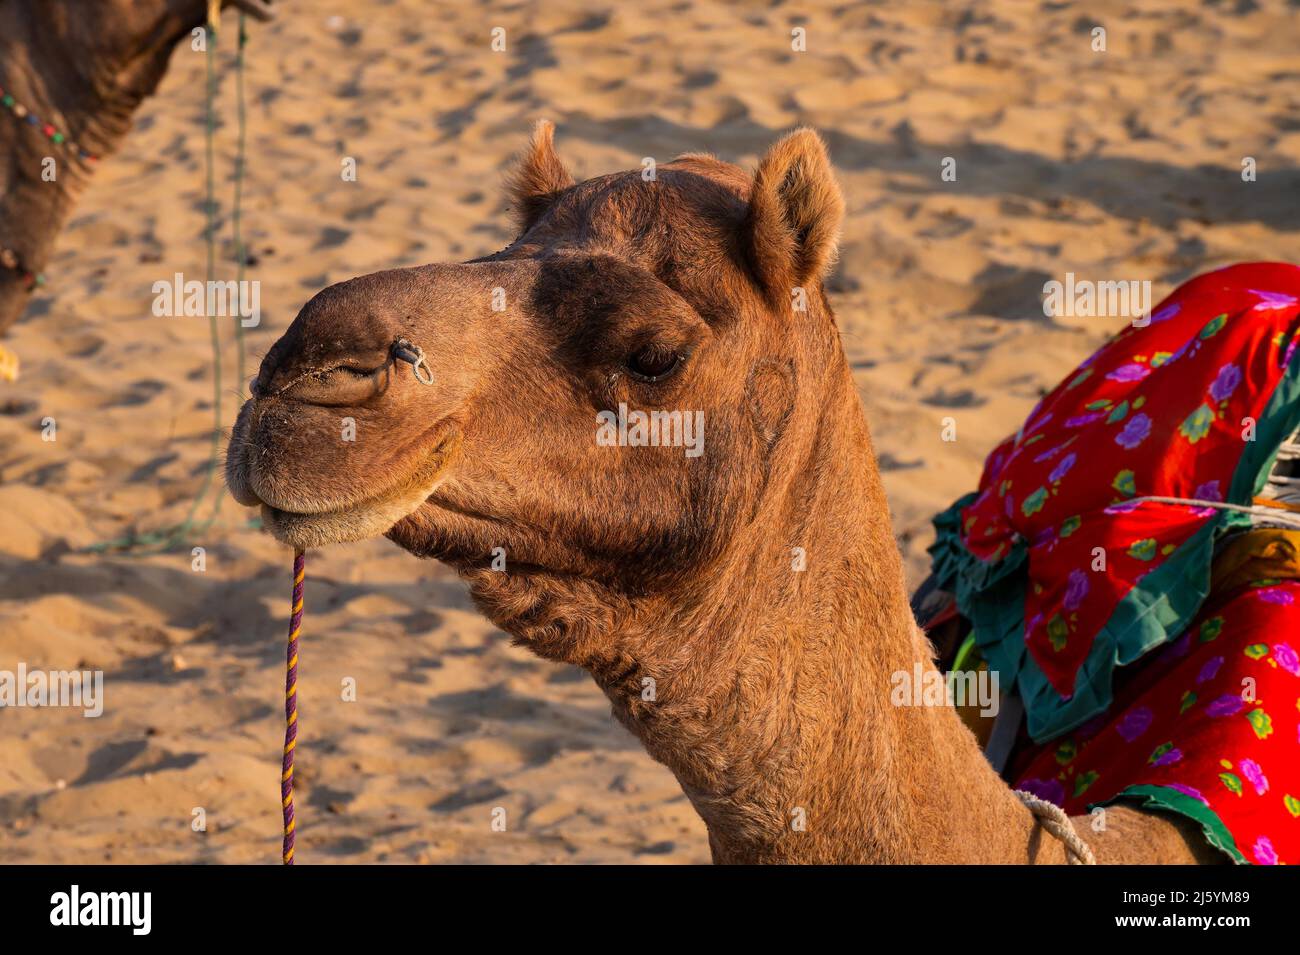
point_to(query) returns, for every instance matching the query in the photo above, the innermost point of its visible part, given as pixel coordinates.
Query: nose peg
(405, 350)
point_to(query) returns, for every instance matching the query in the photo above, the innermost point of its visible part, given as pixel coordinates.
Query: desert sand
(1117, 165)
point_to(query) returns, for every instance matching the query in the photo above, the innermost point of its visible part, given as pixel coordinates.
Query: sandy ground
(1123, 164)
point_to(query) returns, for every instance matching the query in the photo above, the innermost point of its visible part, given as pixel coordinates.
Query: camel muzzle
(357, 410)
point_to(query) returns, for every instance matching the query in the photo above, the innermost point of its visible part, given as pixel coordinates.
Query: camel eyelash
(655, 362)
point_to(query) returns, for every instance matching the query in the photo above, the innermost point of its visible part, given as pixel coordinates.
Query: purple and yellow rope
(291, 704)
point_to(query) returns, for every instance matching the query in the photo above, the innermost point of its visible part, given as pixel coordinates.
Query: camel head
(617, 397)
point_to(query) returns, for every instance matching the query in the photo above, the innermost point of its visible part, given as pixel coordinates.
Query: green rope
(167, 538)
(241, 256)
(214, 330)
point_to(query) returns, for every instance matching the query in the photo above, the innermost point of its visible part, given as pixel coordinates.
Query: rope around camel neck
(1053, 818)
(291, 705)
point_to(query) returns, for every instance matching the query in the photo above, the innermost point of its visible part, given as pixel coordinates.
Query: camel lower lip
(371, 517)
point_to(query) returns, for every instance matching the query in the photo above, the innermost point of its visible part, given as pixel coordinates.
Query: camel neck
(31, 213)
(49, 148)
(38, 183)
(775, 713)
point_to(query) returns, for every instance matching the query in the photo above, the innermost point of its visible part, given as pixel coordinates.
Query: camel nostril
(340, 385)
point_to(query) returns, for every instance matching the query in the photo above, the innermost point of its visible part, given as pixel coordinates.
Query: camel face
(607, 391)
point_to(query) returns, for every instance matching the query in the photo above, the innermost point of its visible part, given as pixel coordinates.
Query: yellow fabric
(1268, 553)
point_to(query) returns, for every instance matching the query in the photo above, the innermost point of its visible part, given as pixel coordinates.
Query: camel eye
(653, 363)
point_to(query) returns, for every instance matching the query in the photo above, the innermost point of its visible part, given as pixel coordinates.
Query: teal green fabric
(1167, 799)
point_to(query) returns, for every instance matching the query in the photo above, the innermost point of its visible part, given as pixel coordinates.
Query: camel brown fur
(84, 66)
(743, 610)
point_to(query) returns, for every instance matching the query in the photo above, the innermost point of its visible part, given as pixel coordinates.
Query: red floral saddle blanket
(1083, 565)
(1209, 729)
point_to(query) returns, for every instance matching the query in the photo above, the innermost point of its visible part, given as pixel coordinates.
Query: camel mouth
(303, 524)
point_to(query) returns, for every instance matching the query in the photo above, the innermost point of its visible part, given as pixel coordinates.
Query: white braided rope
(1281, 487)
(1053, 818)
(1289, 449)
(1271, 515)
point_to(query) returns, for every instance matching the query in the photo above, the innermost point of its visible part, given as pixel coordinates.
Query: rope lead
(291, 705)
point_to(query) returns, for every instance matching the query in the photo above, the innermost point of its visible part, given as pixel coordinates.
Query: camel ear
(795, 212)
(538, 177)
